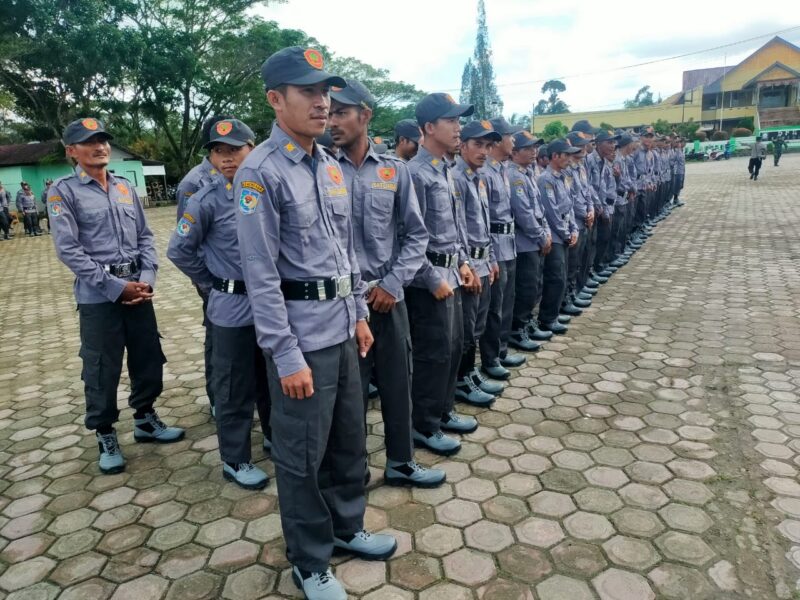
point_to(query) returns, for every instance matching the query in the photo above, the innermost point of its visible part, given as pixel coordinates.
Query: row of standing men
(323, 269)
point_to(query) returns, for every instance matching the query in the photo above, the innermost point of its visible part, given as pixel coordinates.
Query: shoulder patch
(253, 185)
(387, 173)
(249, 199)
(54, 207)
(184, 226)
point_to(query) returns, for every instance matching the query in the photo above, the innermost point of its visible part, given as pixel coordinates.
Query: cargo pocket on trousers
(290, 443)
(410, 353)
(91, 373)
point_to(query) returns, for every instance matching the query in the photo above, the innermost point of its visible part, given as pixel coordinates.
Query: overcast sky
(426, 43)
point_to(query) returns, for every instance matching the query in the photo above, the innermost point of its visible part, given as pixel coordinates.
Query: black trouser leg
(554, 281)
(456, 349)
(491, 343)
(757, 167)
(603, 225)
(145, 357)
(587, 260)
(474, 308)
(237, 386)
(319, 449)
(431, 324)
(389, 361)
(574, 256)
(527, 288)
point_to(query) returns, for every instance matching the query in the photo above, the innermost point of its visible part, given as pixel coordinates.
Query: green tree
(478, 85)
(58, 60)
(644, 97)
(521, 120)
(554, 130)
(746, 123)
(552, 104)
(662, 126)
(687, 130)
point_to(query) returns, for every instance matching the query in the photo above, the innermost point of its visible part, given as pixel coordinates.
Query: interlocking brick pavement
(653, 452)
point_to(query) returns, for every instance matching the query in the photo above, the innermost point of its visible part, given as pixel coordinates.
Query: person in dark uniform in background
(310, 312)
(26, 208)
(434, 297)
(777, 144)
(390, 240)
(477, 139)
(5, 214)
(43, 214)
(205, 247)
(101, 235)
(407, 135)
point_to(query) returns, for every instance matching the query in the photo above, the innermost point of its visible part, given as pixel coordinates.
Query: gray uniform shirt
(389, 234)
(759, 150)
(581, 199)
(594, 165)
(26, 202)
(645, 165)
(294, 223)
(557, 206)
(209, 223)
(5, 198)
(195, 179)
(623, 183)
(531, 228)
(435, 189)
(499, 190)
(93, 228)
(470, 191)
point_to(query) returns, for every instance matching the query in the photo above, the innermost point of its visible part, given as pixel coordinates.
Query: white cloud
(426, 43)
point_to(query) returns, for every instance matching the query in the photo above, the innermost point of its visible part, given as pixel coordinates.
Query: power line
(643, 64)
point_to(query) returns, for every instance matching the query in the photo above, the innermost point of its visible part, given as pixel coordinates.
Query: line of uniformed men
(324, 269)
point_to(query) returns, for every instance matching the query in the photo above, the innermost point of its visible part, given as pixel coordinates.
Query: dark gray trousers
(389, 361)
(587, 258)
(554, 282)
(437, 340)
(238, 383)
(603, 225)
(574, 256)
(107, 329)
(494, 341)
(319, 449)
(475, 308)
(207, 344)
(528, 287)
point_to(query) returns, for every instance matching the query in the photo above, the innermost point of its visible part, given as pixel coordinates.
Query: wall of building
(758, 62)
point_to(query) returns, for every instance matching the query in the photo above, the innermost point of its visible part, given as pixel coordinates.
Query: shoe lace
(156, 422)
(110, 443)
(323, 578)
(477, 373)
(416, 467)
(452, 416)
(364, 535)
(246, 467)
(473, 387)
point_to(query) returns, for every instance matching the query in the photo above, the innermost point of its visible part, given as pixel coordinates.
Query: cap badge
(486, 125)
(90, 124)
(449, 98)
(527, 134)
(224, 127)
(314, 58)
(386, 173)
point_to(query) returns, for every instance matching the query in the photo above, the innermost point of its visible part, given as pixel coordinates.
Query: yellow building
(765, 86)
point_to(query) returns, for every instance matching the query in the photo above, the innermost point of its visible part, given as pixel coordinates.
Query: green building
(37, 162)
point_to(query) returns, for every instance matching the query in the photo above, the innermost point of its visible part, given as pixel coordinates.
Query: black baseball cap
(525, 139)
(561, 146)
(325, 139)
(624, 140)
(543, 151)
(297, 66)
(578, 139)
(232, 132)
(584, 126)
(409, 129)
(646, 131)
(605, 136)
(440, 106)
(479, 129)
(355, 94)
(503, 127)
(81, 130)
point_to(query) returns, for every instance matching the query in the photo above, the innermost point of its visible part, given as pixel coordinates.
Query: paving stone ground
(652, 452)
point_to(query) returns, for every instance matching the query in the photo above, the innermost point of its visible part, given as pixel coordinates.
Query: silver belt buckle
(124, 270)
(229, 286)
(344, 286)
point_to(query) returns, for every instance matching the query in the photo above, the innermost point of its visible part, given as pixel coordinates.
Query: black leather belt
(479, 253)
(502, 228)
(123, 269)
(228, 286)
(323, 289)
(442, 260)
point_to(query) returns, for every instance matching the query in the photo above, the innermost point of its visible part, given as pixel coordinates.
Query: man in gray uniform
(602, 175)
(308, 300)
(583, 208)
(434, 297)
(5, 214)
(477, 139)
(26, 208)
(495, 340)
(204, 247)
(407, 135)
(680, 170)
(100, 234)
(644, 159)
(532, 237)
(390, 240)
(557, 203)
(200, 175)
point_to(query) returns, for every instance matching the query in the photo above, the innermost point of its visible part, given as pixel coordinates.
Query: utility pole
(722, 89)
